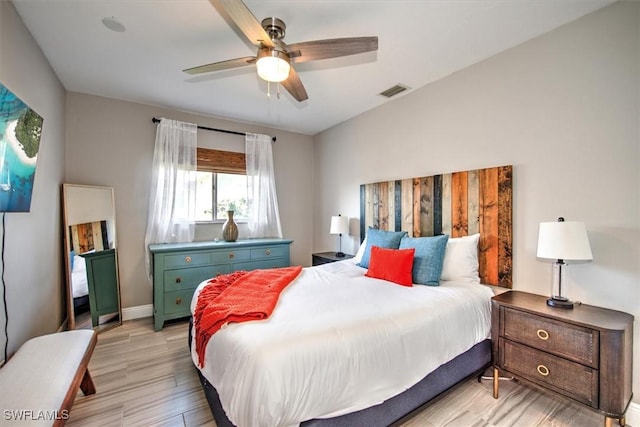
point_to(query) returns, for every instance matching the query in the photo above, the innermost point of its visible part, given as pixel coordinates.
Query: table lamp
(340, 226)
(562, 241)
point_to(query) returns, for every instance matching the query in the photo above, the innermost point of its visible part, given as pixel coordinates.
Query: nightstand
(584, 354)
(327, 257)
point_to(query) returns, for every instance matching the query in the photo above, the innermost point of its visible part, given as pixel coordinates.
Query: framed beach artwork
(20, 130)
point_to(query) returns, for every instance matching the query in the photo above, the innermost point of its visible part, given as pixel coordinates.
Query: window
(217, 192)
(221, 184)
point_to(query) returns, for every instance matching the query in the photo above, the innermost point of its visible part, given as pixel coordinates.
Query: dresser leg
(496, 382)
(610, 422)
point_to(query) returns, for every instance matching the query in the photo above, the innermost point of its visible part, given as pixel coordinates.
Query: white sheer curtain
(264, 218)
(172, 196)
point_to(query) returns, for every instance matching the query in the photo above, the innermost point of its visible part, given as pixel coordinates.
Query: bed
(342, 348)
(79, 284)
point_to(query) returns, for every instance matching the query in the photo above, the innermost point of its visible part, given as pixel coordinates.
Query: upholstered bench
(39, 383)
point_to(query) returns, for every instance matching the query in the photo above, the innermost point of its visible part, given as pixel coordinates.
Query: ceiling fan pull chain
(268, 89)
(278, 91)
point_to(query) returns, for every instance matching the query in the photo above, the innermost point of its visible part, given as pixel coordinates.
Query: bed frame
(457, 204)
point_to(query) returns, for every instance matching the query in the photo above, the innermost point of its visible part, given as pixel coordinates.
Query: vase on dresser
(230, 228)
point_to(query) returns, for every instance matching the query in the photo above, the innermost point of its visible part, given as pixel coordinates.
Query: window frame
(215, 162)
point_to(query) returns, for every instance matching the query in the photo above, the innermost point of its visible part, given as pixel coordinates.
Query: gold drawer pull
(267, 252)
(543, 370)
(231, 255)
(178, 301)
(178, 279)
(187, 259)
(542, 334)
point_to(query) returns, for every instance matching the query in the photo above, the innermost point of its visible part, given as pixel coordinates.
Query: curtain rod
(273, 138)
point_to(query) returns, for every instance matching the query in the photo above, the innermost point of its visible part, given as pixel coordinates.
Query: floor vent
(393, 91)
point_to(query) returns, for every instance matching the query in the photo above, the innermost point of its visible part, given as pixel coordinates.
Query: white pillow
(461, 260)
(360, 252)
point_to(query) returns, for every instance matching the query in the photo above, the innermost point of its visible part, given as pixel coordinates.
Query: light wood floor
(146, 378)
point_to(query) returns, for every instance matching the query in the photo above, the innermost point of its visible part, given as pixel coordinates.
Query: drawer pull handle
(231, 255)
(267, 252)
(187, 259)
(543, 370)
(178, 279)
(178, 301)
(542, 334)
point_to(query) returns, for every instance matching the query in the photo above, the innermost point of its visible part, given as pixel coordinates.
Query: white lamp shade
(566, 240)
(273, 65)
(339, 225)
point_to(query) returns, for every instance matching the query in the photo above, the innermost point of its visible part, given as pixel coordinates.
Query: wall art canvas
(20, 131)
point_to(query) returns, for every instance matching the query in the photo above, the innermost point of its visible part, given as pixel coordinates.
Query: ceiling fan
(274, 58)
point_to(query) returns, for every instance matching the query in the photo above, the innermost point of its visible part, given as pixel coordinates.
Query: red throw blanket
(238, 297)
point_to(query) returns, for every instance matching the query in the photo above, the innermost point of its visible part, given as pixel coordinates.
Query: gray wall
(111, 142)
(33, 269)
(563, 109)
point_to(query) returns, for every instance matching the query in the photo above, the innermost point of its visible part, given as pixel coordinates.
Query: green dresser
(178, 268)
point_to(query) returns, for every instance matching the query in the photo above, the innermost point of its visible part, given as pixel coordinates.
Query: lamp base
(560, 302)
(340, 254)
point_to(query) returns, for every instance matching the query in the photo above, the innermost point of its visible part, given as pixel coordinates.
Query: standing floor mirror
(91, 258)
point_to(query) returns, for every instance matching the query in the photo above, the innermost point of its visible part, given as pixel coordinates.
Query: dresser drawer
(185, 259)
(230, 256)
(571, 379)
(269, 252)
(190, 278)
(262, 264)
(178, 302)
(562, 339)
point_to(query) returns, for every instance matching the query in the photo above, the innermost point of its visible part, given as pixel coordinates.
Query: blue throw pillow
(382, 239)
(428, 258)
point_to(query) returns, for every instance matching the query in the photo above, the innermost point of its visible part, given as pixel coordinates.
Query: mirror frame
(92, 209)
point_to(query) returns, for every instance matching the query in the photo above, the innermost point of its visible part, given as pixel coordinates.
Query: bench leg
(86, 385)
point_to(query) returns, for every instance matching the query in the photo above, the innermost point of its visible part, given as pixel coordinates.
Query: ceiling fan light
(273, 65)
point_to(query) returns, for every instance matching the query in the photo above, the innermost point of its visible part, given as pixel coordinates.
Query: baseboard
(137, 312)
(633, 414)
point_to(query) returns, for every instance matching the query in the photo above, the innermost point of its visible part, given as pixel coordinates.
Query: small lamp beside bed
(340, 226)
(562, 241)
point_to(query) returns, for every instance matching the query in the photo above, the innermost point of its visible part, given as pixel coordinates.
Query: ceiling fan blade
(331, 48)
(222, 65)
(294, 86)
(243, 20)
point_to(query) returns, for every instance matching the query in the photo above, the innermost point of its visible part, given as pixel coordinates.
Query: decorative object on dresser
(230, 228)
(339, 226)
(562, 241)
(320, 258)
(178, 268)
(584, 354)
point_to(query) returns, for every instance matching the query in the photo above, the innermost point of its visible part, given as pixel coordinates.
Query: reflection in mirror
(91, 257)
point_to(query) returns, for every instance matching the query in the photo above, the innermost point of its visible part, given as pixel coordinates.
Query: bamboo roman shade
(219, 161)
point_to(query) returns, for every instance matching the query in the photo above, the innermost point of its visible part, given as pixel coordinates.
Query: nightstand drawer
(562, 339)
(190, 278)
(571, 379)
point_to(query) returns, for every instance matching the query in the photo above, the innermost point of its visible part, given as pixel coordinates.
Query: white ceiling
(419, 42)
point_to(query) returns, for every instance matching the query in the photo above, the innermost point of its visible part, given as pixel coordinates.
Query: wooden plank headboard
(457, 204)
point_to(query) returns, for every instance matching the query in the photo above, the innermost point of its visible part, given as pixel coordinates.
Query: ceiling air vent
(393, 91)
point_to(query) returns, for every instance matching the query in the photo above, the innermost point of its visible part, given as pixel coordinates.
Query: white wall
(563, 109)
(111, 142)
(33, 272)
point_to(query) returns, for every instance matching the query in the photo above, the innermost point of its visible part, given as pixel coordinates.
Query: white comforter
(339, 342)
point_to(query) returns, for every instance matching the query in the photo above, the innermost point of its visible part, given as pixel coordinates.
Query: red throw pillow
(394, 265)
